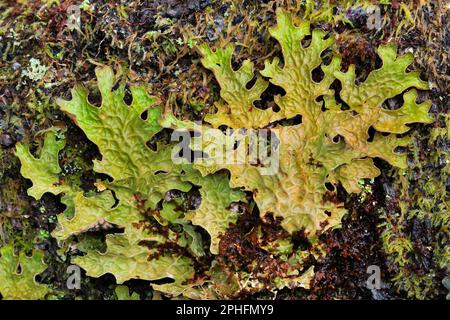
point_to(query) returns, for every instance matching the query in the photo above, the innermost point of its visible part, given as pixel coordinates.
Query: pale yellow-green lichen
(330, 145)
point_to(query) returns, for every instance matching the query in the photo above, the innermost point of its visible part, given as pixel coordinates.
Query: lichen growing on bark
(343, 110)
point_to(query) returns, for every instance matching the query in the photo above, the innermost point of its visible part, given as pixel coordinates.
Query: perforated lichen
(416, 232)
(140, 177)
(137, 173)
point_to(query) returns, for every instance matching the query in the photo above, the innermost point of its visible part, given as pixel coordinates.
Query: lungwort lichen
(331, 146)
